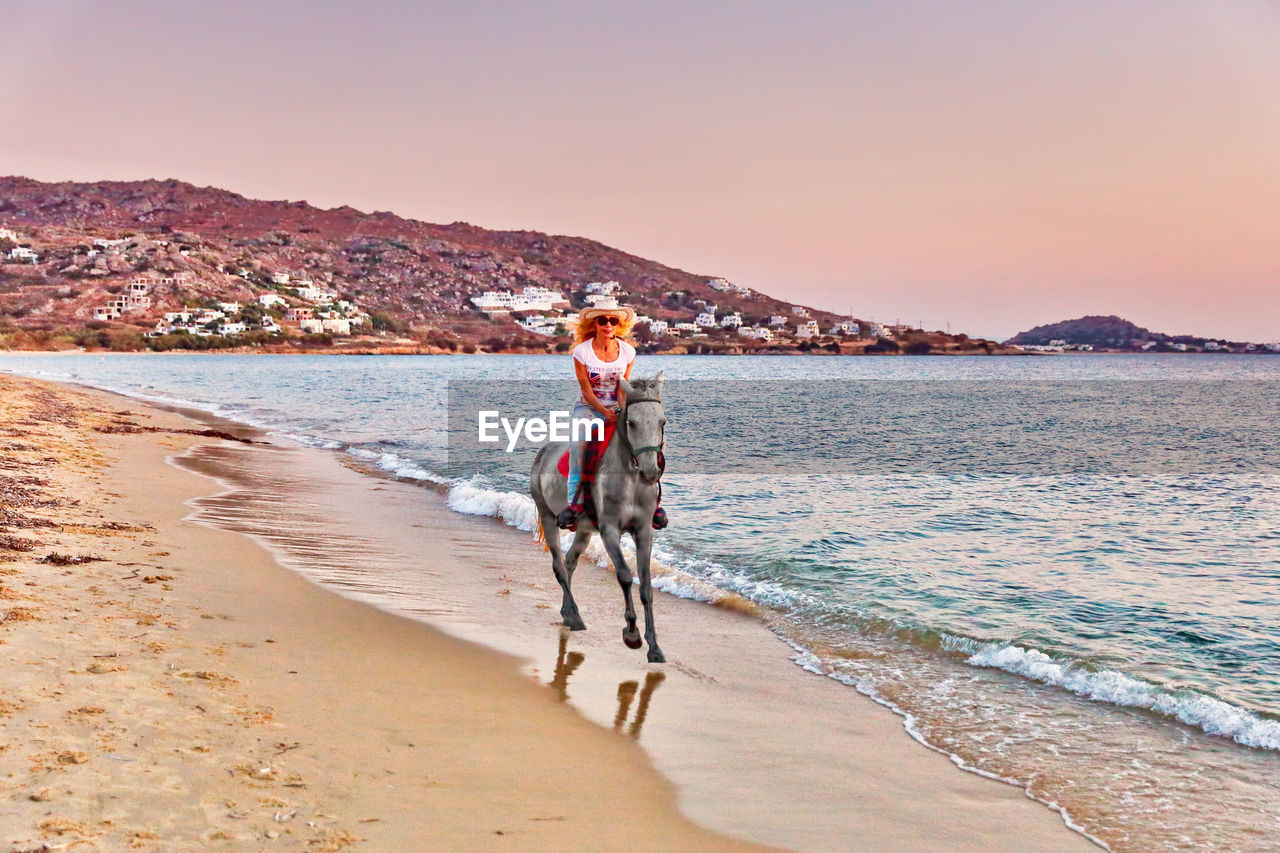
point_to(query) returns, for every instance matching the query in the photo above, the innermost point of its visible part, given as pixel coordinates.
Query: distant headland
(1113, 334)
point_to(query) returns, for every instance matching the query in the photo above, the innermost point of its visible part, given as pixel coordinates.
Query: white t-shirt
(604, 375)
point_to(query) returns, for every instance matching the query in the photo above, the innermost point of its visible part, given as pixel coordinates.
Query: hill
(103, 264)
(1115, 334)
(1110, 332)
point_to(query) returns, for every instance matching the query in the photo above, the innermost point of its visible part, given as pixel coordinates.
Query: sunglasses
(608, 321)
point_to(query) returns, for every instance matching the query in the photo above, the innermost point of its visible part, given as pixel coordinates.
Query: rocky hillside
(413, 278)
(111, 264)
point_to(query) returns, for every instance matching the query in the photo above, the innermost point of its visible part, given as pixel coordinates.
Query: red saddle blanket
(590, 457)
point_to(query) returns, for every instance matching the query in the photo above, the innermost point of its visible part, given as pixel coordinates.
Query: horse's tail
(541, 538)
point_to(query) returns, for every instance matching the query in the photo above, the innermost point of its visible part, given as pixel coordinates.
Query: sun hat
(605, 307)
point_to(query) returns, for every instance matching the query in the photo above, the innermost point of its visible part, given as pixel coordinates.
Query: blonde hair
(586, 331)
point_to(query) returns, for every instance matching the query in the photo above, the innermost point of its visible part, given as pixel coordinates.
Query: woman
(601, 355)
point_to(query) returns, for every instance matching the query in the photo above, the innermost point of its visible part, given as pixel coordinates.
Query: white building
(8, 234)
(539, 325)
(799, 311)
(686, 327)
(777, 320)
(106, 312)
(706, 320)
(232, 328)
(112, 247)
(807, 330)
(725, 284)
(336, 325)
(174, 317)
(845, 327)
(658, 328)
(311, 327)
(758, 333)
(532, 298)
(280, 278)
(604, 288)
(267, 300)
(270, 325)
(172, 278)
(731, 321)
(22, 253)
(1213, 346)
(229, 307)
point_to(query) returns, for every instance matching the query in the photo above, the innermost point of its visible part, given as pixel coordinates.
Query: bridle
(634, 452)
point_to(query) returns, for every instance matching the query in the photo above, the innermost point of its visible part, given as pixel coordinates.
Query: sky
(981, 165)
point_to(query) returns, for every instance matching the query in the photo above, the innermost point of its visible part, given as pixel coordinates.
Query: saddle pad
(563, 465)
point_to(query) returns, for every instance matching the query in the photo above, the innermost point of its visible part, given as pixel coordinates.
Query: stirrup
(568, 517)
(660, 518)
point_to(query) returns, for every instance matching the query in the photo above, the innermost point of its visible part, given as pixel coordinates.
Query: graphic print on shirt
(603, 376)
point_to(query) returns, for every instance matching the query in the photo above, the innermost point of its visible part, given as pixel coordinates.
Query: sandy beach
(171, 684)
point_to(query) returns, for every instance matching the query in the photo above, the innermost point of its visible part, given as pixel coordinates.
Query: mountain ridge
(86, 243)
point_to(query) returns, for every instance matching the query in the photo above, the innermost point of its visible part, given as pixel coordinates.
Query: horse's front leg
(613, 545)
(564, 576)
(644, 544)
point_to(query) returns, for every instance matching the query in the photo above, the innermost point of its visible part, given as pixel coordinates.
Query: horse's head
(644, 421)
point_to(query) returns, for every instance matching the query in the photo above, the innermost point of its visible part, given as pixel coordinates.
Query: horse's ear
(657, 385)
(625, 386)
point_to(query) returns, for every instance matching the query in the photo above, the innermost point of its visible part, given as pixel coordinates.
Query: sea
(1061, 571)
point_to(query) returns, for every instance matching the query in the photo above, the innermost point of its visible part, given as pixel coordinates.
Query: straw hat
(605, 307)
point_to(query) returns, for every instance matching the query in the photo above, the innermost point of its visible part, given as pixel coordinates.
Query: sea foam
(1195, 709)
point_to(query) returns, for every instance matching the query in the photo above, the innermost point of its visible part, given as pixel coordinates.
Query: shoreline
(251, 705)
(913, 794)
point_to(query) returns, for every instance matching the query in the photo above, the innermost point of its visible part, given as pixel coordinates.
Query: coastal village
(164, 265)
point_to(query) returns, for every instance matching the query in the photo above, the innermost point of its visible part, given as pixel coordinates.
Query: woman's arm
(588, 394)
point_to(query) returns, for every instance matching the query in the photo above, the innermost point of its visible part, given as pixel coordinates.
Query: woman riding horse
(602, 354)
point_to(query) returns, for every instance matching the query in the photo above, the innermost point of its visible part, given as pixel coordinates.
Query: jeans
(581, 411)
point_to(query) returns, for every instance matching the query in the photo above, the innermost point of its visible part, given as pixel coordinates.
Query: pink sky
(995, 165)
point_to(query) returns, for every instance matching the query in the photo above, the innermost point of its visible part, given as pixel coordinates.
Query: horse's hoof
(656, 656)
(575, 625)
(633, 641)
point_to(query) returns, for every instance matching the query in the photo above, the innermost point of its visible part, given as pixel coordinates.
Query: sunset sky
(994, 165)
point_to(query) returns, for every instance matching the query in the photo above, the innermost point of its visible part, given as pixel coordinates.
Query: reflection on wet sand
(567, 663)
(627, 692)
(565, 666)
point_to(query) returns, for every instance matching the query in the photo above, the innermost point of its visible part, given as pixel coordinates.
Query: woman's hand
(610, 417)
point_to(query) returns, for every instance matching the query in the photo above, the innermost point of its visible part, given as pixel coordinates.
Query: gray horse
(625, 492)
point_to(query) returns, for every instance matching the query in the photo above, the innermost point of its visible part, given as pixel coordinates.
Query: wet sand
(245, 700)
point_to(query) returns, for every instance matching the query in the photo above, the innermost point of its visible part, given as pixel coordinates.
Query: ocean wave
(1212, 715)
(474, 498)
(311, 440)
(397, 466)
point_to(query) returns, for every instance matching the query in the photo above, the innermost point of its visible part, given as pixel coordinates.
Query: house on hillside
(807, 330)
(706, 320)
(23, 254)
